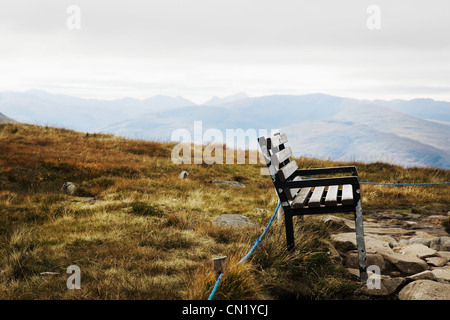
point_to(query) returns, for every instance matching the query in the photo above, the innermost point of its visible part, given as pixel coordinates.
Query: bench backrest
(278, 160)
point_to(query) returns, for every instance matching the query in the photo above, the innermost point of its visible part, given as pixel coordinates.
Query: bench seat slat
(301, 198)
(347, 194)
(290, 193)
(331, 198)
(316, 197)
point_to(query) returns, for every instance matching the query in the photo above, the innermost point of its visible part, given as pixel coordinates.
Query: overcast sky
(202, 48)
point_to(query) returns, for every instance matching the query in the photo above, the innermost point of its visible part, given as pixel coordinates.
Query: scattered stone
(69, 188)
(336, 223)
(442, 274)
(425, 275)
(229, 183)
(388, 287)
(407, 265)
(418, 250)
(440, 243)
(425, 242)
(183, 175)
(351, 260)
(444, 254)
(436, 261)
(233, 220)
(425, 290)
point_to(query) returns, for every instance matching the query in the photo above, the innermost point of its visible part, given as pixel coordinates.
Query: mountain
(214, 101)
(5, 119)
(409, 133)
(87, 115)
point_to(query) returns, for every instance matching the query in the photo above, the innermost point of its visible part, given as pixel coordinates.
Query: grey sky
(200, 48)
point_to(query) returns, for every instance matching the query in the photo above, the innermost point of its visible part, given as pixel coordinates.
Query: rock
(347, 241)
(229, 183)
(336, 223)
(440, 243)
(418, 250)
(407, 265)
(425, 242)
(351, 260)
(233, 220)
(425, 275)
(444, 254)
(183, 175)
(442, 274)
(69, 188)
(425, 290)
(436, 261)
(388, 287)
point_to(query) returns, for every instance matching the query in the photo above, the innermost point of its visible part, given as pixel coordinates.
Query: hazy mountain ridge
(317, 124)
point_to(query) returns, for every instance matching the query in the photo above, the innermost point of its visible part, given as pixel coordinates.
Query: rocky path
(412, 252)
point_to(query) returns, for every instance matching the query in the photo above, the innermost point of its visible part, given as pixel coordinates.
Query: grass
(139, 232)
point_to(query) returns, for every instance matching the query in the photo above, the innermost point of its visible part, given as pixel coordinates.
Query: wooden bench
(300, 196)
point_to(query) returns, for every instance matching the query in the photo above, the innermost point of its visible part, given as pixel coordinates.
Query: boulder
(424, 241)
(440, 243)
(233, 220)
(183, 175)
(425, 275)
(388, 287)
(417, 250)
(436, 261)
(442, 274)
(425, 290)
(69, 188)
(337, 223)
(444, 254)
(351, 260)
(347, 241)
(405, 264)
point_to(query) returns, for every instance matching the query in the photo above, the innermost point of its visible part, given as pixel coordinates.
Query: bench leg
(289, 231)
(360, 242)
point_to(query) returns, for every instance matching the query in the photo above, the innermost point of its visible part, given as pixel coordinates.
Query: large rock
(233, 220)
(425, 290)
(425, 275)
(442, 274)
(418, 250)
(351, 260)
(388, 287)
(407, 265)
(69, 188)
(440, 243)
(347, 241)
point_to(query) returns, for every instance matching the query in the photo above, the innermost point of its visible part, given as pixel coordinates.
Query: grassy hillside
(139, 232)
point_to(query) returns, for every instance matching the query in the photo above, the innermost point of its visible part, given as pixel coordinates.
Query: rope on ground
(258, 240)
(397, 184)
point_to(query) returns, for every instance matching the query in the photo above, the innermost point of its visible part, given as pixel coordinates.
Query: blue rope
(215, 287)
(249, 253)
(397, 184)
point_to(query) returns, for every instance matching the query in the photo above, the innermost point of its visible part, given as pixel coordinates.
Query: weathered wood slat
(300, 199)
(290, 193)
(281, 156)
(276, 140)
(347, 194)
(331, 198)
(316, 197)
(285, 172)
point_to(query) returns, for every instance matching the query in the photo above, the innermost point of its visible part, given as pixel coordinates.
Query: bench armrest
(321, 182)
(334, 170)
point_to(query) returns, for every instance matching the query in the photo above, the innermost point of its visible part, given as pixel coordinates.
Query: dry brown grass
(138, 232)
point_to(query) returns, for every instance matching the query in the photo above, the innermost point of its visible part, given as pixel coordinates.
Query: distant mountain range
(5, 119)
(408, 133)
